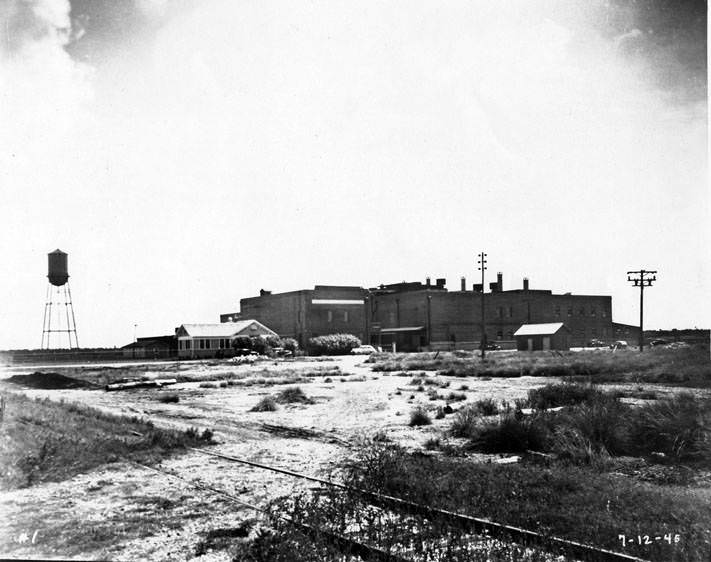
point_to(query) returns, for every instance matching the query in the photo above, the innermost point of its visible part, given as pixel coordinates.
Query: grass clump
(293, 395)
(561, 394)
(465, 422)
(266, 404)
(419, 416)
(456, 396)
(486, 407)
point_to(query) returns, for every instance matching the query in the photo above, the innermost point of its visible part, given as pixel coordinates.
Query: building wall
(456, 316)
(297, 316)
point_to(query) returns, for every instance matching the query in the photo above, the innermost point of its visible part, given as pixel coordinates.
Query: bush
(419, 416)
(679, 427)
(266, 404)
(561, 394)
(292, 395)
(333, 344)
(290, 344)
(242, 342)
(486, 407)
(169, 397)
(456, 396)
(465, 422)
(514, 434)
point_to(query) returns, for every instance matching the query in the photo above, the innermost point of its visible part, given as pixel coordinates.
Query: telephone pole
(641, 280)
(482, 268)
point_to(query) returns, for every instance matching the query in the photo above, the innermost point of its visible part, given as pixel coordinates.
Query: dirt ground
(126, 512)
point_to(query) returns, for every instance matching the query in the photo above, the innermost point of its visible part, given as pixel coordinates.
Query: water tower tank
(57, 271)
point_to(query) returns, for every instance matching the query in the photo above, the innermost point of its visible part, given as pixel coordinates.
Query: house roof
(222, 330)
(539, 329)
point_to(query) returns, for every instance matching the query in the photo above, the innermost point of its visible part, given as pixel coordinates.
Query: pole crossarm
(641, 278)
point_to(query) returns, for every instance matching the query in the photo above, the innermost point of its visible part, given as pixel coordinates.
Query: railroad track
(397, 509)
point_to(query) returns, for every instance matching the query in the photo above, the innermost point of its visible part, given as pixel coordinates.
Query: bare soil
(126, 512)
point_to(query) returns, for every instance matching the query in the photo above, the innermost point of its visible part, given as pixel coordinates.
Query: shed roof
(539, 329)
(221, 330)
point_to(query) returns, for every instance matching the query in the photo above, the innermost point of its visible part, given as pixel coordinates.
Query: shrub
(456, 396)
(419, 416)
(432, 443)
(486, 407)
(561, 394)
(169, 397)
(292, 395)
(266, 404)
(679, 427)
(514, 434)
(440, 413)
(242, 342)
(465, 422)
(290, 344)
(333, 344)
(208, 385)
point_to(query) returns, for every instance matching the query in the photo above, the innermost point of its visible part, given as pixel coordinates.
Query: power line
(641, 280)
(482, 268)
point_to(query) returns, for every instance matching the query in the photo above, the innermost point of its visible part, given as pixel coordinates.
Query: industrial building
(325, 309)
(416, 315)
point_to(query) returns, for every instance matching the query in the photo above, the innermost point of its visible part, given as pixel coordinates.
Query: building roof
(221, 330)
(539, 329)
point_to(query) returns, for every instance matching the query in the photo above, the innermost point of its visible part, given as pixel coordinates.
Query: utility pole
(641, 280)
(482, 268)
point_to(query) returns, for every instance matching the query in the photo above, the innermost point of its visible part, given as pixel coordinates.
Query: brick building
(325, 309)
(415, 315)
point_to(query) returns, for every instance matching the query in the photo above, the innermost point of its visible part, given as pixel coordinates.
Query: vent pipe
(525, 283)
(500, 281)
(464, 284)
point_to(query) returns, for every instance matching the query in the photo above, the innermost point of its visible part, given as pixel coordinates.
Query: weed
(266, 404)
(419, 416)
(486, 407)
(292, 395)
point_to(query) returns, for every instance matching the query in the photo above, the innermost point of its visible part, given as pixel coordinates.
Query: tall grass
(574, 503)
(683, 367)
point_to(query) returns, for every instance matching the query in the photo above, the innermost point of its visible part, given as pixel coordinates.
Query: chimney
(494, 286)
(464, 284)
(441, 282)
(500, 281)
(428, 282)
(525, 283)
(477, 287)
(264, 292)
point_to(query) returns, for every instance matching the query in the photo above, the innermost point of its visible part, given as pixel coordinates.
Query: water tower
(58, 308)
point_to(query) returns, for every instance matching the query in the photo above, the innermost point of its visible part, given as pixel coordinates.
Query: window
(202, 344)
(603, 313)
(593, 332)
(510, 311)
(391, 317)
(511, 336)
(330, 315)
(593, 312)
(345, 316)
(500, 311)
(582, 311)
(500, 335)
(570, 311)
(557, 310)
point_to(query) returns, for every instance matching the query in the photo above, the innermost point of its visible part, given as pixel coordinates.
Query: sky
(187, 154)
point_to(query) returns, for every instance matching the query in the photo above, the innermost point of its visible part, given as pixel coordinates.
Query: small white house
(210, 340)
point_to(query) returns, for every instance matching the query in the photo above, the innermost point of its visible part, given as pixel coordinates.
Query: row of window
(581, 311)
(222, 343)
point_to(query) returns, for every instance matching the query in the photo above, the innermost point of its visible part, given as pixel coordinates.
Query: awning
(408, 329)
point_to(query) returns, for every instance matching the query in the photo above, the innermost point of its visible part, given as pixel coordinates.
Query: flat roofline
(299, 291)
